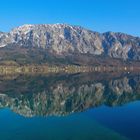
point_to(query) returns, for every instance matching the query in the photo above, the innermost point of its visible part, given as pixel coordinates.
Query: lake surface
(70, 107)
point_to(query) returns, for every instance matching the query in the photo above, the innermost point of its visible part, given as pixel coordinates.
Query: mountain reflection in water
(64, 94)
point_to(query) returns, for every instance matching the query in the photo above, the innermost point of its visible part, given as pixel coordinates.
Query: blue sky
(97, 15)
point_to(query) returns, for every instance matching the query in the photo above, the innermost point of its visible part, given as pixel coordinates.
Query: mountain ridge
(65, 38)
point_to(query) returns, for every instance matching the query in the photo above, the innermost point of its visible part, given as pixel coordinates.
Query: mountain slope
(63, 39)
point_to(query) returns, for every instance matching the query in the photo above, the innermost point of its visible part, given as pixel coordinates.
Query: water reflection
(63, 94)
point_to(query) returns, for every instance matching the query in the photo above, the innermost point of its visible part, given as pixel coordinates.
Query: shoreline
(25, 69)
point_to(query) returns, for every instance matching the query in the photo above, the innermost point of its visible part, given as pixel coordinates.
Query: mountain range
(41, 42)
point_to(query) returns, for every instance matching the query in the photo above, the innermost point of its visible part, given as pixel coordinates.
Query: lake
(80, 106)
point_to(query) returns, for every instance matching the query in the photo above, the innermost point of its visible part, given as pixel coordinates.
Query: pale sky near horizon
(97, 15)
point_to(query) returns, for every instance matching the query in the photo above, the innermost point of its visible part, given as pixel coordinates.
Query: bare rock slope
(62, 39)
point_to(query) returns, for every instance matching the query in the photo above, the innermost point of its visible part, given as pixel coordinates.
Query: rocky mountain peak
(22, 29)
(64, 38)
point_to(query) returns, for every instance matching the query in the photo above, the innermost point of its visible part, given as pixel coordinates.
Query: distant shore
(66, 69)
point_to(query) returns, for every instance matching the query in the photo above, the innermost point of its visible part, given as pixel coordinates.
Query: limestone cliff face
(5, 39)
(58, 38)
(120, 45)
(63, 38)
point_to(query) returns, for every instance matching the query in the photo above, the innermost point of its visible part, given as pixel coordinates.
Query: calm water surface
(70, 107)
